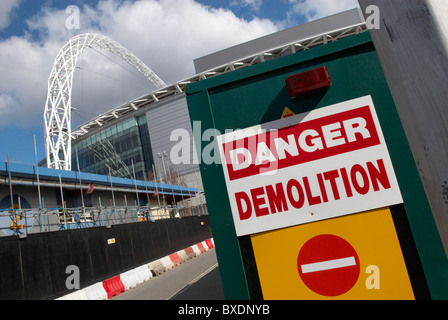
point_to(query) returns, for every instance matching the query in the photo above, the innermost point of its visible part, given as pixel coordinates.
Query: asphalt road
(195, 279)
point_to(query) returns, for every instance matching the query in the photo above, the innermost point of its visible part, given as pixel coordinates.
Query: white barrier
(129, 279)
(156, 267)
(143, 273)
(196, 250)
(167, 263)
(77, 295)
(182, 255)
(96, 292)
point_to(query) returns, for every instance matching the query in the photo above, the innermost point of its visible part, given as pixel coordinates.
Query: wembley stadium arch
(57, 115)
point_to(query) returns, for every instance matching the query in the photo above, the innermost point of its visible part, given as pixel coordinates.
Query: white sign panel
(318, 165)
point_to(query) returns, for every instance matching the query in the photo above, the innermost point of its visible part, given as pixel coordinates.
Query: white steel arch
(57, 114)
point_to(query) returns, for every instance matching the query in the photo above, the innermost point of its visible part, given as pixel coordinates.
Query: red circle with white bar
(328, 265)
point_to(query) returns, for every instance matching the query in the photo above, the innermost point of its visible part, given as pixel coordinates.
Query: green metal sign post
(257, 95)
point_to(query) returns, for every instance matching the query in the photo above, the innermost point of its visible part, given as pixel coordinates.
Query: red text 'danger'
(305, 142)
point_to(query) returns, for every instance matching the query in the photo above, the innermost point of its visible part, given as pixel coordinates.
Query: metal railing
(22, 222)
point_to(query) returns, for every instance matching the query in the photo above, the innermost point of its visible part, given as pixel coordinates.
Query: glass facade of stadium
(124, 148)
(140, 144)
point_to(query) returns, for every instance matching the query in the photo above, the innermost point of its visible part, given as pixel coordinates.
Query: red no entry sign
(328, 265)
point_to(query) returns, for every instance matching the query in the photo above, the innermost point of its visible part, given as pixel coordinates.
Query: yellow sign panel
(352, 257)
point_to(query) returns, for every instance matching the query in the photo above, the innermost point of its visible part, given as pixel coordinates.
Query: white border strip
(328, 265)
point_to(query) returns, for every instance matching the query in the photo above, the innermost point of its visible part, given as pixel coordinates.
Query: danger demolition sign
(314, 166)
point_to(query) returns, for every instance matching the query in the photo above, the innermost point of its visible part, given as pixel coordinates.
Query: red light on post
(308, 81)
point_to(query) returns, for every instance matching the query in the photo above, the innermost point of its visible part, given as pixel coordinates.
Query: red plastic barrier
(209, 243)
(175, 258)
(190, 253)
(113, 286)
(201, 247)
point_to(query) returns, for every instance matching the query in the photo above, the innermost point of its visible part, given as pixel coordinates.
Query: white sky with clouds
(167, 35)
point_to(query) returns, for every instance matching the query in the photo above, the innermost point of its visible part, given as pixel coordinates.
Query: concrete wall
(412, 44)
(162, 121)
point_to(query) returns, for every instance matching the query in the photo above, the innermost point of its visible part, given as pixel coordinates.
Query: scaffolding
(16, 219)
(29, 221)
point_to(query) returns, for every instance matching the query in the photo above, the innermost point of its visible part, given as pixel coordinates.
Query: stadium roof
(27, 175)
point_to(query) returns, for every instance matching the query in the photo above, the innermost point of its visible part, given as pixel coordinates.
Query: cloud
(315, 9)
(253, 4)
(6, 8)
(167, 35)
(170, 34)
(23, 81)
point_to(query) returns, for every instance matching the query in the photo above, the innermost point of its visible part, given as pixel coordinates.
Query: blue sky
(167, 35)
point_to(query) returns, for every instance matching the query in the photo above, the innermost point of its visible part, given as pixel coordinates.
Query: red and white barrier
(116, 285)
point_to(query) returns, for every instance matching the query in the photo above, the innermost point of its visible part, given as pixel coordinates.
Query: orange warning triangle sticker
(287, 113)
